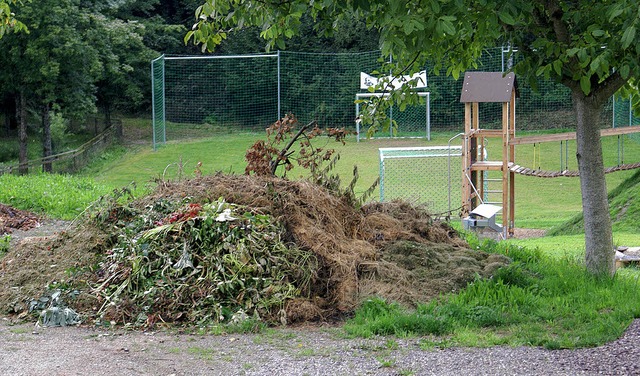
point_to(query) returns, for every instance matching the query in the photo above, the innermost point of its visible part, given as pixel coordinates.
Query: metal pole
(279, 117)
(428, 116)
(449, 164)
(391, 107)
(357, 120)
(153, 106)
(613, 112)
(630, 110)
(381, 175)
(566, 154)
(164, 107)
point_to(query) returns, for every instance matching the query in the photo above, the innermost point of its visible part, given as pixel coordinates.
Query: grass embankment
(536, 301)
(57, 196)
(624, 210)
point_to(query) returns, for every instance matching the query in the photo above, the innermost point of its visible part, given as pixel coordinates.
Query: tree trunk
(600, 255)
(21, 114)
(107, 116)
(47, 145)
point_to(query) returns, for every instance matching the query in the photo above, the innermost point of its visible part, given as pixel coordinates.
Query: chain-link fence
(422, 175)
(249, 92)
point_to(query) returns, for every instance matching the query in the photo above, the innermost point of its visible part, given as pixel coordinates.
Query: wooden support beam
(570, 135)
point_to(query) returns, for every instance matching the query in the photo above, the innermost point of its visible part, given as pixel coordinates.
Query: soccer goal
(414, 121)
(422, 175)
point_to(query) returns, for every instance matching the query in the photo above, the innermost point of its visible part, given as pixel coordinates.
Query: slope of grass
(57, 196)
(624, 209)
(536, 301)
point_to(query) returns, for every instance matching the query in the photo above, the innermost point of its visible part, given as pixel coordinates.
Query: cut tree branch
(276, 162)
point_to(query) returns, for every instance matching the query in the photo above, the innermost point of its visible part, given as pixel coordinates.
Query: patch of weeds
(246, 325)
(247, 366)
(391, 344)
(386, 363)
(378, 317)
(406, 372)
(5, 241)
(306, 352)
(20, 331)
(201, 352)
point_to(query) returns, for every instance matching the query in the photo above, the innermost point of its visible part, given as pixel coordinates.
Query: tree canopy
(590, 47)
(8, 20)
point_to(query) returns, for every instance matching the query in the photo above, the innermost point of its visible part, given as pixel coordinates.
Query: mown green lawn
(540, 203)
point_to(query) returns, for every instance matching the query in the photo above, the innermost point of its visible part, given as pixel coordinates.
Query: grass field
(540, 203)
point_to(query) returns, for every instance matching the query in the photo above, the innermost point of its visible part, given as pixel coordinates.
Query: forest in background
(84, 59)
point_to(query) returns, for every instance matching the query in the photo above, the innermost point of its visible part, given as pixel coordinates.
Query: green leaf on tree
(505, 17)
(628, 37)
(585, 84)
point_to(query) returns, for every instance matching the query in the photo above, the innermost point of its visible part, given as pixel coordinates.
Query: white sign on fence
(367, 80)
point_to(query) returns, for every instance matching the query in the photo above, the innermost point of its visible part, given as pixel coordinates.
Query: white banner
(366, 80)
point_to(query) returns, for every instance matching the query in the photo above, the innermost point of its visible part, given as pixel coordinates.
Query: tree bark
(21, 114)
(47, 144)
(600, 255)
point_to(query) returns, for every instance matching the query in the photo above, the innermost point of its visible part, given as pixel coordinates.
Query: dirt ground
(28, 350)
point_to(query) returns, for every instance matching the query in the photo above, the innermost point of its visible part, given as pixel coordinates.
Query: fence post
(279, 114)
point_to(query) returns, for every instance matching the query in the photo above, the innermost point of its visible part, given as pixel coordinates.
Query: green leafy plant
(5, 241)
(207, 263)
(53, 311)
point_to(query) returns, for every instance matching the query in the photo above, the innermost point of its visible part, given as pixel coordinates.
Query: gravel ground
(29, 350)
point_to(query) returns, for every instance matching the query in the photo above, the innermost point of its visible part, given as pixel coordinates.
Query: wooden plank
(486, 166)
(488, 132)
(571, 135)
(619, 131)
(543, 138)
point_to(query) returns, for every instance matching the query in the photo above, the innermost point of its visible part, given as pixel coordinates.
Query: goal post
(427, 175)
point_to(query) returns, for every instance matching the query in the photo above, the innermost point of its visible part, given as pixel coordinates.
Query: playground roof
(487, 87)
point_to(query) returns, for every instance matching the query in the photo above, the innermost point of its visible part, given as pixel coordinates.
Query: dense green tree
(53, 67)
(164, 22)
(123, 84)
(8, 20)
(74, 59)
(588, 46)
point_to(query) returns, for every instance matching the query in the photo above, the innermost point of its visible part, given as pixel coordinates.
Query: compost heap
(14, 219)
(225, 247)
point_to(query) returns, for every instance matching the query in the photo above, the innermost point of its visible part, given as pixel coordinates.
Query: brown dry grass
(392, 250)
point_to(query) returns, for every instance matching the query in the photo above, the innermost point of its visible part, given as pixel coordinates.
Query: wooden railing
(73, 160)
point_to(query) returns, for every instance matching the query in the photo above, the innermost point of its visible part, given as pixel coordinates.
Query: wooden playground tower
(494, 87)
(488, 87)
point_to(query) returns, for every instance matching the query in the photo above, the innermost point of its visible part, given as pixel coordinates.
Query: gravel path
(29, 350)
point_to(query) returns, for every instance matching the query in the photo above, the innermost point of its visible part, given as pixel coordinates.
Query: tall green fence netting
(250, 92)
